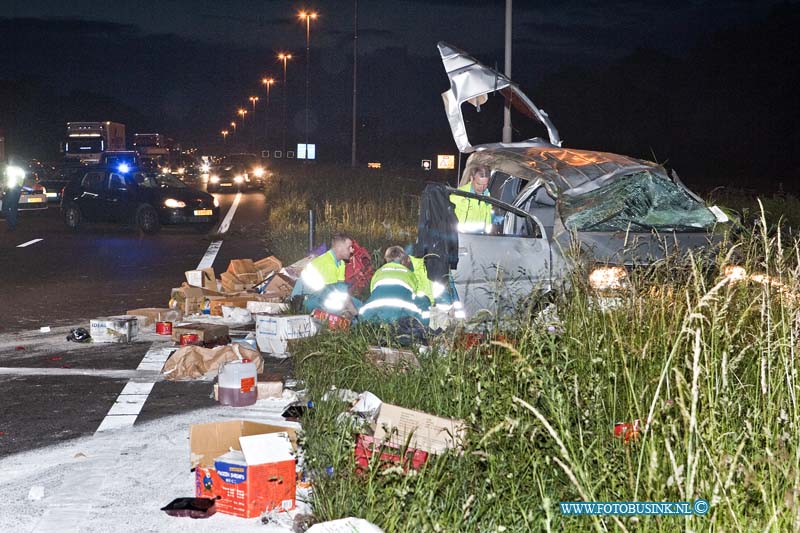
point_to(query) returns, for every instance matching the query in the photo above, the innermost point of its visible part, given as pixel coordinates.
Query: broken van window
(636, 202)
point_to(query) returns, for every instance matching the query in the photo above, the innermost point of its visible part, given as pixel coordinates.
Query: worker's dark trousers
(10, 205)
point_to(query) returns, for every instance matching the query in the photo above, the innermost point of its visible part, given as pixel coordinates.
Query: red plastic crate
(366, 447)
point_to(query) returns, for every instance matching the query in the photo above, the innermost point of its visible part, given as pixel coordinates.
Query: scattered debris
(44, 329)
(273, 333)
(36, 493)
(75, 335)
(193, 362)
(122, 328)
(191, 507)
(345, 525)
(391, 358)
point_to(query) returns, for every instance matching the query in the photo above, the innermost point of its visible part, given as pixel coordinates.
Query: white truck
(86, 141)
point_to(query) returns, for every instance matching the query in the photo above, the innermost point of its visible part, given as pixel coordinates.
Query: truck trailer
(86, 141)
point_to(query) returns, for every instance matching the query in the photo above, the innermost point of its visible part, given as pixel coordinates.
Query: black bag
(437, 232)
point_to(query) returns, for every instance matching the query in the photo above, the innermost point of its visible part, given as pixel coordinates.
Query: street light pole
(307, 17)
(267, 82)
(355, 83)
(284, 57)
(507, 109)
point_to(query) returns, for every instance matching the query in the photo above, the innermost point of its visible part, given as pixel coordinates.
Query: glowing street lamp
(267, 82)
(307, 16)
(284, 57)
(224, 134)
(253, 100)
(233, 125)
(242, 112)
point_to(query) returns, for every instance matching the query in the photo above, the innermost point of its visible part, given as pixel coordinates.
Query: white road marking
(92, 372)
(210, 255)
(26, 244)
(226, 222)
(208, 259)
(131, 400)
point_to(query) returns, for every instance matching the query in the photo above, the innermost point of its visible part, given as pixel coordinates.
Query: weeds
(705, 362)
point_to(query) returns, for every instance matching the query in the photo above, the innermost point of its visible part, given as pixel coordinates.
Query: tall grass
(379, 209)
(707, 360)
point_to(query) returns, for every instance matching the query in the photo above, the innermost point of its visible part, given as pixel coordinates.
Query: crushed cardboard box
(232, 283)
(250, 467)
(193, 362)
(266, 307)
(279, 287)
(432, 434)
(243, 301)
(267, 266)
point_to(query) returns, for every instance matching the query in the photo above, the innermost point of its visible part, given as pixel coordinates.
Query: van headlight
(259, 172)
(214, 179)
(173, 203)
(238, 179)
(608, 278)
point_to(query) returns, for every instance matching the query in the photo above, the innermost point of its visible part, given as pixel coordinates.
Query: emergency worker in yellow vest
(322, 282)
(474, 216)
(395, 294)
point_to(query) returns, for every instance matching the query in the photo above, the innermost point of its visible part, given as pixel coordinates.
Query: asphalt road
(53, 390)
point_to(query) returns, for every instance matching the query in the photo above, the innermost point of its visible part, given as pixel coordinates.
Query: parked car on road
(146, 200)
(618, 210)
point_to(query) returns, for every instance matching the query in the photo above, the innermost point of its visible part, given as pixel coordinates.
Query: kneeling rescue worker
(322, 282)
(395, 292)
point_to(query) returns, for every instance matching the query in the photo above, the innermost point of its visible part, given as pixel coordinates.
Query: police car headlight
(608, 278)
(259, 172)
(216, 202)
(15, 175)
(173, 203)
(238, 179)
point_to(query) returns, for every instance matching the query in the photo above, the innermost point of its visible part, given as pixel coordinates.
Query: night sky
(183, 67)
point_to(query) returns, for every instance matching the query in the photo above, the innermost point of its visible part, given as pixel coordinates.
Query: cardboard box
(217, 302)
(242, 266)
(122, 328)
(267, 266)
(273, 333)
(279, 287)
(206, 333)
(391, 358)
(232, 283)
(188, 300)
(294, 270)
(148, 316)
(432, 434)
(366, 447)
(249, 466)
(204, 278)
(268, 308)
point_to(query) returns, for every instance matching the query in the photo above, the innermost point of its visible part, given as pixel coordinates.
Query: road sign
(426, 164)
(374, 164)
(445, 162)
(306, 151)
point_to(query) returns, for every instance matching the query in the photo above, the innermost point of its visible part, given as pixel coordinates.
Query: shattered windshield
(637, 202)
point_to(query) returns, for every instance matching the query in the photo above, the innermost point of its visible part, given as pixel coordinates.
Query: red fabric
(358, 272)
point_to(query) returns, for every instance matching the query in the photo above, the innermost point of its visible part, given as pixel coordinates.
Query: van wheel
(72, 216)
(147, 220)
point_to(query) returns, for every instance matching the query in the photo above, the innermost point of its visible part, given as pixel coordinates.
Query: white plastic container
(237, 382)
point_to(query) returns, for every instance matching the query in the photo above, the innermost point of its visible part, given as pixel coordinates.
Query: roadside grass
(708, 361)
(378, 208)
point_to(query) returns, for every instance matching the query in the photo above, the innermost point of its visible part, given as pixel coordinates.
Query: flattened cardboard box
(267, 266)
(233, 462)
(433, 434)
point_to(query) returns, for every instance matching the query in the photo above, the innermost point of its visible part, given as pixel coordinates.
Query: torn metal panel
(471, 82)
